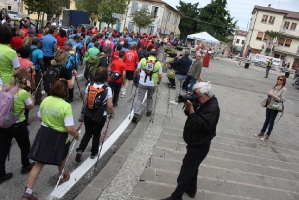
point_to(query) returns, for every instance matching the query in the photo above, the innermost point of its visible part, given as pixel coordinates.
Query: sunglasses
(280, 79)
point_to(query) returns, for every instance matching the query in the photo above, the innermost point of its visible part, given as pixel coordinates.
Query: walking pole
(79, 131)
(79, 88)
(155, 104)
(103, 140)
(133, 102)
(38, 84)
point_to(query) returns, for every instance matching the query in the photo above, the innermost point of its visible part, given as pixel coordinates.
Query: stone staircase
(237, 167)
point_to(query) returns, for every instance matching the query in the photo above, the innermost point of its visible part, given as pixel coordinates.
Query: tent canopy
(203, 36)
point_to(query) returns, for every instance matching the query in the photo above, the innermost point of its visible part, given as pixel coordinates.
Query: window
(286, 25)
(271, 20)
(259, 35)
(238, 40)
(265, 18)
(288, 43)
(281, 41)
(293, 26)
(8, 7)
(242, 42)
(144, 7)
(154, 11)
(134, 8)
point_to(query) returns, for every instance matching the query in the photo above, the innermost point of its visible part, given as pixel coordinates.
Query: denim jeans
(179, 80)
(269, 121)
(192, 83)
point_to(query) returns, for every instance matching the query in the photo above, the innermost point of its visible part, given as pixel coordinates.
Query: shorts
(129, 75)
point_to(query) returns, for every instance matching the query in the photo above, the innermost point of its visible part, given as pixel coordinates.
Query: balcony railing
(288, 32)
(288, 50)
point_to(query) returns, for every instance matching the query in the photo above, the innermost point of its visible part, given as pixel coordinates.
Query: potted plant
(172, 53)
(171, 78)
(173, 66)
(179, 48)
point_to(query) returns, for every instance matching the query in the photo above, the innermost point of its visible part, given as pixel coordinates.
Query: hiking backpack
(149, 68)
(51, 75)
(7, 117)
(92, 64)
(96, 97)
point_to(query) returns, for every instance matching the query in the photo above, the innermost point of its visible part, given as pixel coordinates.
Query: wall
(12, 3)
(240, 40)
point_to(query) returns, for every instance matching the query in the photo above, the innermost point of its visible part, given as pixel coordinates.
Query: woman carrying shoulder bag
(276, 97)
(18, 126)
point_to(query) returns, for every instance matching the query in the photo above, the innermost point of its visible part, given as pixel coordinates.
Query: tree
(142, 18)
(188, 22)
(90, 6)
(269, 37)
(107, 7)
(216, 20)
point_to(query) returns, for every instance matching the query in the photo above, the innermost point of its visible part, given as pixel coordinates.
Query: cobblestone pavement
(238, 166)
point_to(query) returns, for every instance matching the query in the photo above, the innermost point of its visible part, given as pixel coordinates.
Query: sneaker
(174, 102)
(65, 178)
(115, 104)
(81, 119)
(5, 177)
(69, 100)
(266, 137)
(135, 118)
(259, 134)
(78, 156)
(93, 156)
(27, 196)
(27, 169)
(148, 113)
(123, 96)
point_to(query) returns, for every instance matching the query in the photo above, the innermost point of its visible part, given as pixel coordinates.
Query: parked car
(16, 15)
(54, 22)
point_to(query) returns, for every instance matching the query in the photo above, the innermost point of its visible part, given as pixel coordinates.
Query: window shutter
(288, 42)
(281, 41)
(260, 34)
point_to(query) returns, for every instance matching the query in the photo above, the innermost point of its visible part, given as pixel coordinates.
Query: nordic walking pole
(79, 88)
(79, 131)
(38, 84)
(155, 104)
(103, 140)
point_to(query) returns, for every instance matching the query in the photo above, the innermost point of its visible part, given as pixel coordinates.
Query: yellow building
(283, 21)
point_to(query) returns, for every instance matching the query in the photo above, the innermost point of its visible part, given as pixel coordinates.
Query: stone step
(153, 190)
(219, 186)
(276, 164)
(213, 162)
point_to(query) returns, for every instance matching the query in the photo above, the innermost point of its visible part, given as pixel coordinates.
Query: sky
(241, 9)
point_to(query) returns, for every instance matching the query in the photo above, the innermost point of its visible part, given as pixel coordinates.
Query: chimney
(269, 5)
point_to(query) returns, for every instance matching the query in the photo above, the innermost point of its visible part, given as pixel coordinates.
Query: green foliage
(216, 20)
(142, 18)
(107, 7)
(90, 6)
(188, 24)
(273, 34)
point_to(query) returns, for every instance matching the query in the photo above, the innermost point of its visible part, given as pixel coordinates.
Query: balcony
(287, 50)
(289, 33)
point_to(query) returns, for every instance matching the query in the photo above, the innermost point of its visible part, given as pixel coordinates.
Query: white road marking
(89, 163)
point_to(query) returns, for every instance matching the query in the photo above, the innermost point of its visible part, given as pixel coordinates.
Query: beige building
(283, 21)
(167, 18)
(239, 39)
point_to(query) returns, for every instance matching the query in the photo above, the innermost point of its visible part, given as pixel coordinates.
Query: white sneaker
(122, 96)
(173, 102)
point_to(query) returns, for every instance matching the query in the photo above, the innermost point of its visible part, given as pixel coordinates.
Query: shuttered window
(293, 26)
(134, 8)
(288, 43)
(281, 41)
(286, 25)
(259, 35)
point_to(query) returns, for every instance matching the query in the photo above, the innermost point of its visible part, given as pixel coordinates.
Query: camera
(181, 54)
(192, 98)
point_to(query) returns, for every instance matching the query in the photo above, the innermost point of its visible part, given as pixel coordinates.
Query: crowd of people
(112, 62)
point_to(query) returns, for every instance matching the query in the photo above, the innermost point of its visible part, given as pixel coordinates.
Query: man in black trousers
(199, 130)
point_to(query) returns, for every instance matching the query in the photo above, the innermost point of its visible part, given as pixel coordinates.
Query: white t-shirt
(109, 94)
(148, 81)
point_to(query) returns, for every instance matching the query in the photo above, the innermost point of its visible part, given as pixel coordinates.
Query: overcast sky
(241, 9)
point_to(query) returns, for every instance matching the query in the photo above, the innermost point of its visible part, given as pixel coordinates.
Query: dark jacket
(200, 127)
(182, 65)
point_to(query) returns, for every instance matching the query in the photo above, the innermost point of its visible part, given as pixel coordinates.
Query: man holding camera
(183, 64)
(200, 128)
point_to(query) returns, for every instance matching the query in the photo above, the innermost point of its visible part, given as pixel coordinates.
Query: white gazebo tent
(204, 36)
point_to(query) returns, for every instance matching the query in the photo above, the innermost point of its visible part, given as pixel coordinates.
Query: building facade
(167, 18)
(283, 21)
(239, 39)
(13, 5)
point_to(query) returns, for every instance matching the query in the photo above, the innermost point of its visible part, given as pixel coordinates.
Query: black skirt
(49, 146)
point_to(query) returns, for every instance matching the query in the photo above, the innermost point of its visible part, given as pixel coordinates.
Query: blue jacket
(182, 65)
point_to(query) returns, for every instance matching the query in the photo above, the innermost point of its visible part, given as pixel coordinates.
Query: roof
(241, 32)
(288, 13)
